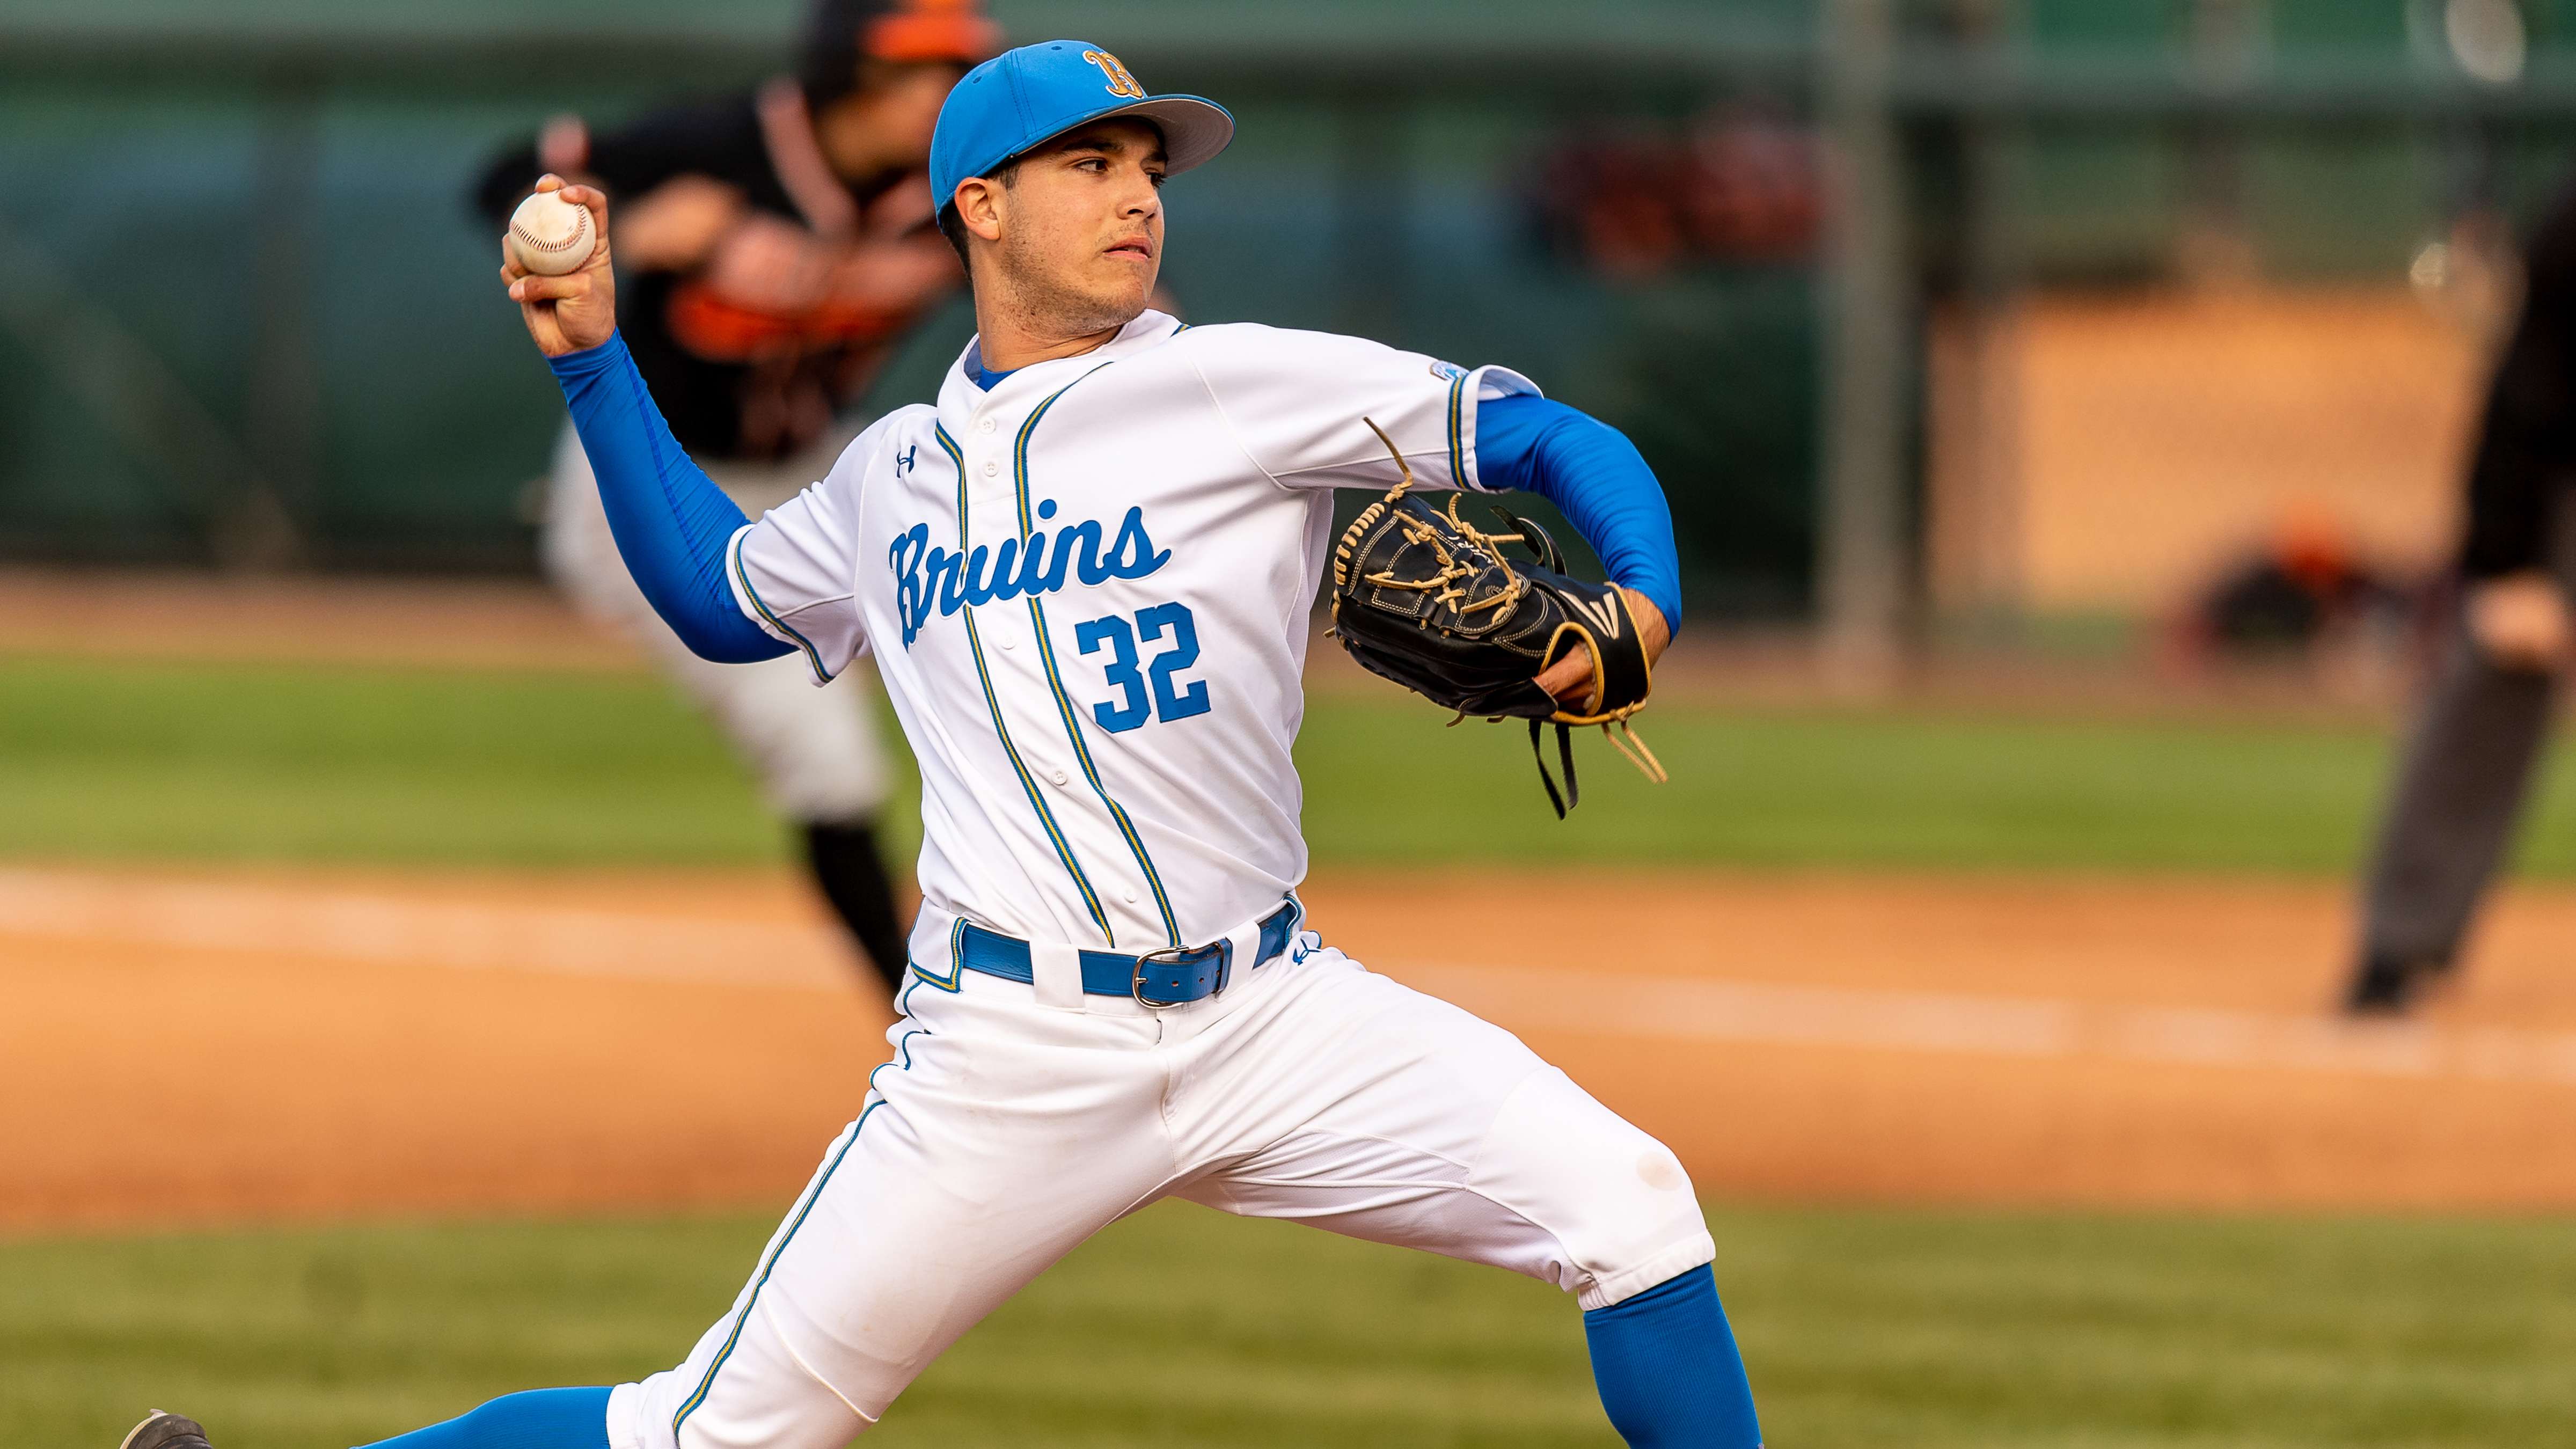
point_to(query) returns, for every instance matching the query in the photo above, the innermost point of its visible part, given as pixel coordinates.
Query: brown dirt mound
(193, 1047)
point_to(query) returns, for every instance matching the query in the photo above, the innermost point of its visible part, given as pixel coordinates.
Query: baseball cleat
(165, 1430)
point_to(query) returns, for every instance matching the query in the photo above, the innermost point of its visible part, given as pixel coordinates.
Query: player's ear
(980, 207)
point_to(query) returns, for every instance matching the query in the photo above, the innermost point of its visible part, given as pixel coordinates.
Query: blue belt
(1169, 977)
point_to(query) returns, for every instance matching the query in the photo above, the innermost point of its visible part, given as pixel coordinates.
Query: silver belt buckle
(1171, 955)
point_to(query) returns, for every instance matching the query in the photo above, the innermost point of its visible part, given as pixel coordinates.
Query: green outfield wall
(245, 316)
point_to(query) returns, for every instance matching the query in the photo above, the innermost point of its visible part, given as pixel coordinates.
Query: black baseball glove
(1433, 603)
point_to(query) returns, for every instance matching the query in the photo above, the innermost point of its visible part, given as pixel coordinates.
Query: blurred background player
(774, 246)
(2468, 768)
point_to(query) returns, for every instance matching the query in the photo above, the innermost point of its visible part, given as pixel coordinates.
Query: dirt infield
(203, 1047)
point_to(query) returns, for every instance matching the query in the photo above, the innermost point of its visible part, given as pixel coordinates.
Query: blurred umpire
(2469, 765)
(773, 247)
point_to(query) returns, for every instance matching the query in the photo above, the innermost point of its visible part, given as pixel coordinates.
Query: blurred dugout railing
(244, 317)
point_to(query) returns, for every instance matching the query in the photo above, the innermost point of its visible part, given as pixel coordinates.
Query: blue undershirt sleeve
(672, 525)
(1668, 1369)
(537, 1419)
(1596, 478)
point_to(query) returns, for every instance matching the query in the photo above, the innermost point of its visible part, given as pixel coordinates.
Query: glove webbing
(1453, 570)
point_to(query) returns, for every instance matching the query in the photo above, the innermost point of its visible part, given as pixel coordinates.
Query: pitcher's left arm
(1600, 482)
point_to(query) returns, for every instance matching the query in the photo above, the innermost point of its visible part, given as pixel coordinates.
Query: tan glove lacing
(1449, 582)
(1454, 572)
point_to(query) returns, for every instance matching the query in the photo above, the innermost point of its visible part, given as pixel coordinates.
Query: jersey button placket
(1019, 675)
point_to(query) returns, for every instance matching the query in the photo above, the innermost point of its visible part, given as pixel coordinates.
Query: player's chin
(1124, 288)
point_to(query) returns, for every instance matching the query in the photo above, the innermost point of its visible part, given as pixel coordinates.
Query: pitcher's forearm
(1598, 480)
(671, 523)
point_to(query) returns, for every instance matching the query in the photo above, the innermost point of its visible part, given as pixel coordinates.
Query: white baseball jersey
(1087, 592)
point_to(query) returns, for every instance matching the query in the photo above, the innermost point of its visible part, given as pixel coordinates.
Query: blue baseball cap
(1025, 97)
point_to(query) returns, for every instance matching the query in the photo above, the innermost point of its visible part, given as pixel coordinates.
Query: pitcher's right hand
(578, 310)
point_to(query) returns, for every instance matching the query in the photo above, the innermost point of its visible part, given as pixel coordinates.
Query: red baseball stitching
(581, 234)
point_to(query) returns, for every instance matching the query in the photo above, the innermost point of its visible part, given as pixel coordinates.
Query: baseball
(549, 235)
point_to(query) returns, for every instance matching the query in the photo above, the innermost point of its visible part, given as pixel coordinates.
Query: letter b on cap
(1120, 82)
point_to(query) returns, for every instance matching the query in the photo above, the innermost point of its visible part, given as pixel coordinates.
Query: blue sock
(1668, 1371)
(538, 1419)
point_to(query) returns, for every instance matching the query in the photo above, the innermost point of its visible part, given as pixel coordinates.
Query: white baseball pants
(1014, 1120)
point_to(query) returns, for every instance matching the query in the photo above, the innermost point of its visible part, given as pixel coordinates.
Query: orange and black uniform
(739, 382)
(751, 372)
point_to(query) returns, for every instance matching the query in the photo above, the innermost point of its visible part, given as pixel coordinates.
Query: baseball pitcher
(1085, 574)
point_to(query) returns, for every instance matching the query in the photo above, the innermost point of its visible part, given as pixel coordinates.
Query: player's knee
(1646, 1224)
(1615, 1200)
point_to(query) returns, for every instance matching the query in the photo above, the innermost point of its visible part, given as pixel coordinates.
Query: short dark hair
(955, 230)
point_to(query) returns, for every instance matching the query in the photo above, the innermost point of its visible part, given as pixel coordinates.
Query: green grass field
(191, 762)
(1912, 1330)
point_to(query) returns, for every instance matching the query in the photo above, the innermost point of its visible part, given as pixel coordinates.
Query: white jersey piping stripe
(876, 1099)
(1028, 784)
(742, 1318)
(1457, 430)
(1091, 772)
(956, 962)
(742, 579)
(1020, 453)
(1055, 680)
(993, 702)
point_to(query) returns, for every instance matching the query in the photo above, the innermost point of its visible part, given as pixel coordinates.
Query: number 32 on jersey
(1149, 692)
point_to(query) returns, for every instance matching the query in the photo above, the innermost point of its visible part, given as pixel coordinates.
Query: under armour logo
(1120, 82)
(904, 460)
